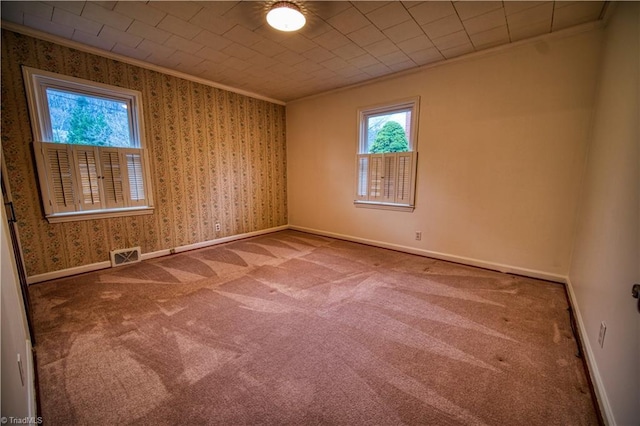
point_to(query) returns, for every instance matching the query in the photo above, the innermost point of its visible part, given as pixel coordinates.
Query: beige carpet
(292, 328)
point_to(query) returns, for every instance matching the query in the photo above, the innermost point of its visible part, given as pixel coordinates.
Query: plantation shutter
(362, 184)
(88, 177)
(135, 172)
(113, 183)
(386, 178)
(404, 192)
(58, 179)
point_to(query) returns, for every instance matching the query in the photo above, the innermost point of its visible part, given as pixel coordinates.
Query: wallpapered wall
(215, 156)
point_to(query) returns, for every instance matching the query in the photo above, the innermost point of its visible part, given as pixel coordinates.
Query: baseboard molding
(62, 273)
(592, 367)
(441, 256)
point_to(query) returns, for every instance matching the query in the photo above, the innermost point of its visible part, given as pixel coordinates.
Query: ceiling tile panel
(469, 9)
(348, 21)
(108, 17)
(179, 27)
(343, 42)
(184, 10)
(429, 11)
(140, 11)
(404, 31)
(140, 29)
(485, 22)
(441, 27)
(61, 16)
(389, 15)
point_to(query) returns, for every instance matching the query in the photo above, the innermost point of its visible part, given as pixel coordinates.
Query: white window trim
(36, 83)
(385, 202)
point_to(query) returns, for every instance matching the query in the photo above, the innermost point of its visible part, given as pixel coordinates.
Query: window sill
(98, 214)
(384, 206)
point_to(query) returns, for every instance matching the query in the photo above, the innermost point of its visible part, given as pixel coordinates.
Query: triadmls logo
(21, 420)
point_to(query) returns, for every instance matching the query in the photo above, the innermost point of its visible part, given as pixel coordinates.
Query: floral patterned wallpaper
(215, 156)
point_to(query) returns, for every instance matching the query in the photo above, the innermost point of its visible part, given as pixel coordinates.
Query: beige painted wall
(606, 257)
(215, 156)
(502, 142)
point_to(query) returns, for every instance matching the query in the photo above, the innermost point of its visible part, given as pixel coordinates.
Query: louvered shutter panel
(112, 182)
(58, 166)
(376, 175)
(362, 184)
(88, 177)
(390, 178)
(404, 190)
(135, 175)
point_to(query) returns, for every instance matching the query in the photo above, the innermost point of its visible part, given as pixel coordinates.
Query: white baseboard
(592, 367)
(532, 273)
(62, 273)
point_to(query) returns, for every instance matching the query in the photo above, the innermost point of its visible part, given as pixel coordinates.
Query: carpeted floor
(292, 328)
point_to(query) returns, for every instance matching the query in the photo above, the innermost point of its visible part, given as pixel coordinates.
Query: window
(89, 148)
(387, 154)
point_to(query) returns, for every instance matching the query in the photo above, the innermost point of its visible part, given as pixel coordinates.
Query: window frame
(383, 201)
(36, 84)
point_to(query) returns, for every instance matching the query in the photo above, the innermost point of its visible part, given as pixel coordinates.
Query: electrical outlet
(603, 330)
(418, 235)
(217, 227)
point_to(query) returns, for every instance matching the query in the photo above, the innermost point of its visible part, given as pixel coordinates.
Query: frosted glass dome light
(286, 16)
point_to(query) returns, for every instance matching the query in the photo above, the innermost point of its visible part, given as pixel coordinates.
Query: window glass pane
(388, 132)
(81, 119)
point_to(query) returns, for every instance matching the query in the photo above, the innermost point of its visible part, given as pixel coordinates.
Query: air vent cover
(125, 256)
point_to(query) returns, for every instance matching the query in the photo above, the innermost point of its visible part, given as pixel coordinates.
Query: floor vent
(125, 256)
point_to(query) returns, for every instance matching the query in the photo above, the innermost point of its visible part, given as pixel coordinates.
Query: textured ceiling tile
(36, 8)
(387, 16)
(576, 13)
(528, 31)
(181, 43)
(318, 54)
(540, 13)
(335, 64)
(363, 61)
(120, 37)
(441, 27)
(155, 48)
(242, 36)
(469, 9)
(182, 9)
(207, 19)
(430, 11)
(211, 40)
(314, 27)
(367, 35)
(485, 22)
(179, 27)
(415, 44)
(451, 40)
(162, 61)
(349, 20)
(307, 66)
(108, 17)
(238, 51)
(368, 6)
(143, 30)
(110, 5)
(217, 7)
(74, 7)
(332, 40)
(61, 16)
(289, 58)
(12, 12)
(394, 58)
(212, 54)
(140, 11)
(47, 26)
(298, 44)
(237, 64)
(130, 52)
(249, 14)
(268, 47)
(490, 38)
(457, 51)
(512, 7)
(186, 59)
(426, 56)
(93, 40)
(377, 70)
(403, 31)
(327, 9)
(349, 51)
(382, 47)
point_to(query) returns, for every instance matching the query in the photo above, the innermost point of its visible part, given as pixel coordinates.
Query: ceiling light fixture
(286, 16)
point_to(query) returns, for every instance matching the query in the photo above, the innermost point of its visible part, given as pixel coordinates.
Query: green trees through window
(391, 138)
